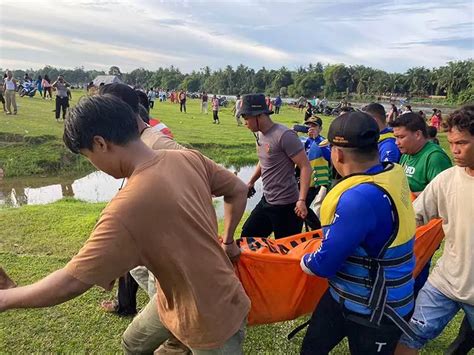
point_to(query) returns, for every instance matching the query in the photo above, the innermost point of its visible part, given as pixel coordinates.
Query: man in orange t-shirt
(162, 219)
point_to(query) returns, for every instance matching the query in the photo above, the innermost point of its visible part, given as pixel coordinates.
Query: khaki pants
(146, 333)
(10, 100)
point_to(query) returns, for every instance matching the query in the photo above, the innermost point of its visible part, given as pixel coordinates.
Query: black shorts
(330, 323)
(267, 218)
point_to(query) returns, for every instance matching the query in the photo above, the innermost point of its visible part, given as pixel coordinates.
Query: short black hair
(143, 99)
(376, 110)
(122, 91)
(100, 115)
(412, 122)
(432, 131)
(143, 113)
(461, 119)
(363, 154)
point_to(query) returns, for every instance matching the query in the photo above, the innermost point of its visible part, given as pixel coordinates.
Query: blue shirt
(326, 151)
(363, 218)
(363, 221)
(388, 150)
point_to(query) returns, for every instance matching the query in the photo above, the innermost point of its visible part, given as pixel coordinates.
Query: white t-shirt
(9, 84)
(450, 196)
(238, 103)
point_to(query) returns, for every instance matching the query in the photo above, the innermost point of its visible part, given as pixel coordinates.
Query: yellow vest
(393, 181)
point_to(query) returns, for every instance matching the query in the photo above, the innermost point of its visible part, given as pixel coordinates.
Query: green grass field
(36, 240)
(31, 142)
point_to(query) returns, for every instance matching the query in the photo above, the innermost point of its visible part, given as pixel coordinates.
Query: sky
(392, 35)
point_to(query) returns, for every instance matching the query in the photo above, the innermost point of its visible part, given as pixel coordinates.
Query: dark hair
(412, 122)
(363, 154)
(143, 113)
(143, 99)
(46, 77)
(100, 115)
(376, 110)
(123, 92)
(432, 131)
(39, 77)
(461, 119)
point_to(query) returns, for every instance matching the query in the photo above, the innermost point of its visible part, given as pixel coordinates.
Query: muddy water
(94, 187)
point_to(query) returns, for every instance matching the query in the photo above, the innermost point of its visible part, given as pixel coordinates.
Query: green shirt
(423, 166)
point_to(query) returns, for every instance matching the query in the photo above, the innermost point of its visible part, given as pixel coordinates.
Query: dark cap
(253, 105)
(314, 120)
(354, 130)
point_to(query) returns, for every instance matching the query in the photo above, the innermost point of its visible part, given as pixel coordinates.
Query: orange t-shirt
(164, 219)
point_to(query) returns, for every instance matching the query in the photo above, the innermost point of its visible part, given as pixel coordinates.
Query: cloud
(386, 34)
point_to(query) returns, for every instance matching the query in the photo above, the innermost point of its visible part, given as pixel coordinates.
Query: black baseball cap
(354, 130)
(314, 120)
(253, 105)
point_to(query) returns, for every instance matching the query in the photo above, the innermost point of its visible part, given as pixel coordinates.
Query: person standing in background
(2, 99)
(215, 109)
(62, 98)
(278, 103)
(9, 88)
(182, 101)
(204, 99)
(46, 84)
(39, 85)
(236, 110)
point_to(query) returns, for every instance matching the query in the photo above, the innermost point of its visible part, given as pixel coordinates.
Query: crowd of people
(29, 87)
(363, 176)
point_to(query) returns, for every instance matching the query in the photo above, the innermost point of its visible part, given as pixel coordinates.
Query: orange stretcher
(270, 272)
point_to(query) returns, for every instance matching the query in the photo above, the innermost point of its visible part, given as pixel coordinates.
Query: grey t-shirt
(61, 89)
(277, 146)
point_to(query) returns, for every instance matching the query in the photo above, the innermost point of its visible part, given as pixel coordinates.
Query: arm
(224, 183)
(353, 220)
(426, 204)
(256, 175)
(54, 289)
(234, 207)
(301, 160)
(54, 84)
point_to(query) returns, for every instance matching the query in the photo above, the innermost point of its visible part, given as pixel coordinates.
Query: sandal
(109, 306)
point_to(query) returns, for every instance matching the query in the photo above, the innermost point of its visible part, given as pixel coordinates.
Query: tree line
(455, 80)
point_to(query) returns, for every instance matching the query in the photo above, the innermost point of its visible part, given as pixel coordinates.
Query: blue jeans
(433, 311)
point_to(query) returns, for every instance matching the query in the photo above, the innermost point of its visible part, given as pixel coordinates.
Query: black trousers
(312, 220)
(61, 103)
(152, 103)
(277, 110)
(266, 218)
(330, 323)
(127, 295)
(464, 342)
(182, 106)
(215, 115)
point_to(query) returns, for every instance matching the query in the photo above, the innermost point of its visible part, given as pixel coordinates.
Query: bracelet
(302, 199)
(227, 243)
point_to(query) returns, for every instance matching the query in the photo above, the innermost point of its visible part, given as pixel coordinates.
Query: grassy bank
(36, 240)
(31, 142)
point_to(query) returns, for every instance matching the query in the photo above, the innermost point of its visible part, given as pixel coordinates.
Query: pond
(94, 187)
